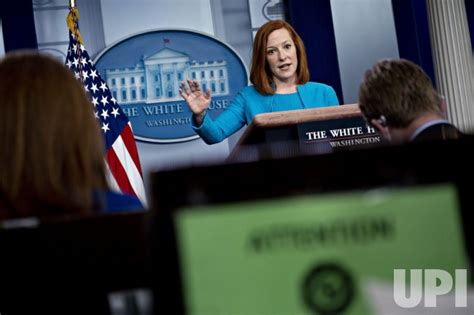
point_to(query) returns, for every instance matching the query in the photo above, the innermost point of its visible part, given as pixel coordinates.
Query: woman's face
(281, 56)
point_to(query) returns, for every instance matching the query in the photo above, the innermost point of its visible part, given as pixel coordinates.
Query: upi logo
(436, 282)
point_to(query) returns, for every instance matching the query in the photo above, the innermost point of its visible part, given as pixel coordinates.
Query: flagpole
(72, 3)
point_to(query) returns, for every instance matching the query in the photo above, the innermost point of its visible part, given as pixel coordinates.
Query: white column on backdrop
(453, 59)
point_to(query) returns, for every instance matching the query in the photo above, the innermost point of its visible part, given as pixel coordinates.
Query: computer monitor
(71, 264)
(304, 235)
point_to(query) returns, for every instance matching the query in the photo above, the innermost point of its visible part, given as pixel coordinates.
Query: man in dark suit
(398, 99)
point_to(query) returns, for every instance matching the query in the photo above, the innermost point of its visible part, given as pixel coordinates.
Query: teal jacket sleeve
(227, 123)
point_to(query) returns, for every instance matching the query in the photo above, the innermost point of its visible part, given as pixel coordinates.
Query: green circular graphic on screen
(328, 289)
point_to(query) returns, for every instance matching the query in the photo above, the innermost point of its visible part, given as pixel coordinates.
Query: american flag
(124, 170)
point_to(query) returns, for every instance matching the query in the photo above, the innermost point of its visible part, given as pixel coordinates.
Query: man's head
(394, 94)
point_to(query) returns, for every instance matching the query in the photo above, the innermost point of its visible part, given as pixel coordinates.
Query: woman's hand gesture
(198, 100)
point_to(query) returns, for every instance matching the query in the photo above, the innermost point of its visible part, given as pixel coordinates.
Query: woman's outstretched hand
(197, 100)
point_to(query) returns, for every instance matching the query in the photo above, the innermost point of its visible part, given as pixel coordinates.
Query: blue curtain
(413, 33)
(312, 20)
(18, 25)
(470, 19)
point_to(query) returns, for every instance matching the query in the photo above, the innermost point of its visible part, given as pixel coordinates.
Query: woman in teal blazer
(280, 78)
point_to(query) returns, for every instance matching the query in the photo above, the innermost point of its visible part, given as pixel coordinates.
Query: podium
(305, 131)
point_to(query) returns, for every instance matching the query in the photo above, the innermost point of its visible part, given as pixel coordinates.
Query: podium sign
(315, 130)
(332, 135)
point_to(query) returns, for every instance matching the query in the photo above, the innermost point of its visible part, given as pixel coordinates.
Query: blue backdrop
(312, 20)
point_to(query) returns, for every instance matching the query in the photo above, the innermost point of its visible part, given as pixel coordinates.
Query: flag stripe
(111, 179)
(128, 140)
(126, 160)
(118, 172)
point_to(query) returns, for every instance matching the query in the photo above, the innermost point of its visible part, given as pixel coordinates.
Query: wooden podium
(305, 131)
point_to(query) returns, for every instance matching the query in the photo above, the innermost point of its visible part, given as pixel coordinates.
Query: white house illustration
(156, 78)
